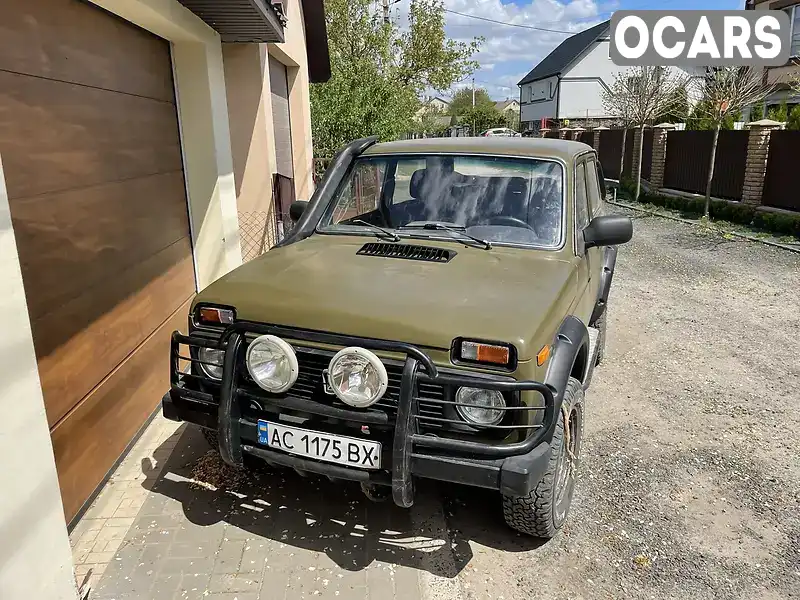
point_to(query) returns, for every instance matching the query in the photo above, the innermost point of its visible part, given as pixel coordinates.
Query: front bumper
(512, 468)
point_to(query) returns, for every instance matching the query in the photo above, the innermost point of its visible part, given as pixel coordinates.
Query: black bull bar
(409, 445)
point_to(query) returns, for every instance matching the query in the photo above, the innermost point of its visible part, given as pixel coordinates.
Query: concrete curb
(689, 222)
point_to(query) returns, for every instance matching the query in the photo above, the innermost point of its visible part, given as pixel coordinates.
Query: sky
(509, 53)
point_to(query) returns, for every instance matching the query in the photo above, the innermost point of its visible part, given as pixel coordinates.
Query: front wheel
(601, 324)
(544, 510)
(211, 437)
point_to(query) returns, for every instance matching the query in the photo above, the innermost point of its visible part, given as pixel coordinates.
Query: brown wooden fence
(783, 163)
(688, 153)
(610, 152)
(647, 153)
(551, 133)
(626, 169)
(587, 137)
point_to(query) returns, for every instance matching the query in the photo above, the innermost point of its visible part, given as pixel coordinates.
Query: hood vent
(407, 251)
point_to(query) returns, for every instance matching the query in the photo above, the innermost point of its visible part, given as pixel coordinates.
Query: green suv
(436, 312)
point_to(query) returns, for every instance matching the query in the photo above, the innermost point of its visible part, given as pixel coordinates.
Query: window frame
(565, 203)
(794, 21)
(576, 229)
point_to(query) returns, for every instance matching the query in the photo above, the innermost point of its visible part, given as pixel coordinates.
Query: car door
(585, 258)
(596, 208)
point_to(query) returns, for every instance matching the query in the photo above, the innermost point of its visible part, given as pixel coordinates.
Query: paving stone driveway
(154, 533)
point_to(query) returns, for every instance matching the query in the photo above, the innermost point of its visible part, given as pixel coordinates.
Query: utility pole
(473, 106)
(473, 92)
(386, 11)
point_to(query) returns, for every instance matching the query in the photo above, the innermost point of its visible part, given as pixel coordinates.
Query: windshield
(502, 200)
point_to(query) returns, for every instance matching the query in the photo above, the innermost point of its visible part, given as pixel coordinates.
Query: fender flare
(326, 188)
(609, 262)
(571, 338)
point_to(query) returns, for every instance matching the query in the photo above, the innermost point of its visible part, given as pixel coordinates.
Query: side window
(581, 203)
(595, 202)
(402, 179)
(363, 192)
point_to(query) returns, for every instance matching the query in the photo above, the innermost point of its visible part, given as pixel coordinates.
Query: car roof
(565, 150)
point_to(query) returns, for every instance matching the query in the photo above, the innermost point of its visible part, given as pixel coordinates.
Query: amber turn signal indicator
(485, 353)
(215, 316)
(543, 355)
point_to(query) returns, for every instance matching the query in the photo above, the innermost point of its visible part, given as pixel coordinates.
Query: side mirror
(296, 209)
(608, 230)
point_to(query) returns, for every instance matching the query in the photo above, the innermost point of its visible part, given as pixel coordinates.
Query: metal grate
(309, 386)
(407, 251)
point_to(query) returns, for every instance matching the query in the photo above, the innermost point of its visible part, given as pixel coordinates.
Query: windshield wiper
(390, 234)
(451, 227)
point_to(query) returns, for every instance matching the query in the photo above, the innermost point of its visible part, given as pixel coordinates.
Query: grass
(725, 218)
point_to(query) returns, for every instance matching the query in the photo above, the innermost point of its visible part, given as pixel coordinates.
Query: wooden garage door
(90, 150)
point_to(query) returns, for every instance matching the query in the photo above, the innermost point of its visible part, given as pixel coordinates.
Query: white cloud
(508, 53)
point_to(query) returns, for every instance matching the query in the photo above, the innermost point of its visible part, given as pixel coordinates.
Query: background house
(133, 136)
(780, 76)
(507, 106)
(433, 103)
(568, 82)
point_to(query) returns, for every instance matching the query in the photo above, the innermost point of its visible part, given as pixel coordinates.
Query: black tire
(211, 438)
(542, 512)
(600, 324)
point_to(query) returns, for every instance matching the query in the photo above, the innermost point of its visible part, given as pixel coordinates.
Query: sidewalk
(161, 530)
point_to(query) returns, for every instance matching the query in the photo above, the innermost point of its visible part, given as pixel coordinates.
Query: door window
(581, 202)
(595, 201)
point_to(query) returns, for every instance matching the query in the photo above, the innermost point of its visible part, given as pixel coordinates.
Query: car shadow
(335, 518)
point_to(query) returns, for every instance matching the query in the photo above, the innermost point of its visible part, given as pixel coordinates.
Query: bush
(793, 121)
(781, 113)
(741, 214)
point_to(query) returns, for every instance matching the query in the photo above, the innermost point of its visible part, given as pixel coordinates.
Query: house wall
(292, 53)
(35, 556)
(538, 100)
(784, 74)
(38, 563)
(583, 82)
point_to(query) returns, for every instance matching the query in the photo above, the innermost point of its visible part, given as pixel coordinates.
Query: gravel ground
(690, 480)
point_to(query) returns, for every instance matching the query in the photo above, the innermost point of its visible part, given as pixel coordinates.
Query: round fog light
(212, 362)
(272, 363)
(357, 377)
(480, 405)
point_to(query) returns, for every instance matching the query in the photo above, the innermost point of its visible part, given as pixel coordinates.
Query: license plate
(351, 452)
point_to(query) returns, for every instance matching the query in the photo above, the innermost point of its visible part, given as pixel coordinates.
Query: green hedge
(741, 214)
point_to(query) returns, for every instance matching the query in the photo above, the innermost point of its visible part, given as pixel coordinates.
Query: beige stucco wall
(292, 53)
(35, 556)
(249, 98)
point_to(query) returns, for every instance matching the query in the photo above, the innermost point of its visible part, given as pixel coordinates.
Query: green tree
(431, 122)
(757, 112)
(725, 92)
(793, 122)
(462, 101)
(379, 71)
(781, 113)
(677, 108)
(481, 118)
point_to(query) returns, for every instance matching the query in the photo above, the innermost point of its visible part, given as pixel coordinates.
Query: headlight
(481, 405)
(272, 363)
(212, 362)
(357, 377)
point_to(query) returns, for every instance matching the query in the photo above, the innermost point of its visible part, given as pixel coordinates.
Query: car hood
(320, 283)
